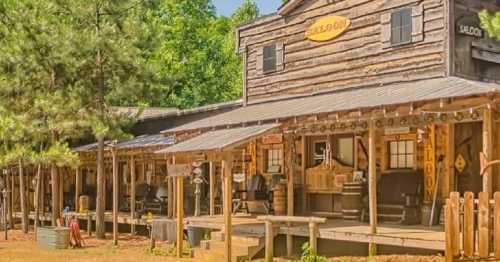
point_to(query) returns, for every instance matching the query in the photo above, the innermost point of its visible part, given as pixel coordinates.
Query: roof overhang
(220, 140)
(289, 6)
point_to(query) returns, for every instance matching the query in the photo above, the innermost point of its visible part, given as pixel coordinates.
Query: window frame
(274, 57)
(265, 157)
(398, 154)
(401, 26)
(336, 147)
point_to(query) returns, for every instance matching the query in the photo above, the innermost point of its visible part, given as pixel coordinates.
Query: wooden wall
(356, 58)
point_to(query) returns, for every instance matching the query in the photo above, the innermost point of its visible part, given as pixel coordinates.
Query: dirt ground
(21, 247)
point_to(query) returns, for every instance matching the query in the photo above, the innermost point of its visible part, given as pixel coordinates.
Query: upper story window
(269, 58)
(401, 26)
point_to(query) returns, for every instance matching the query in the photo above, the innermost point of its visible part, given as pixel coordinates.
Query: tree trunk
(22, 194)
(100, 200)
(9, 199)
(37, 196)
(56, 209)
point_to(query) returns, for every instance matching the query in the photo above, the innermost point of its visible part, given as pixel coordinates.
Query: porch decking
(388, 234)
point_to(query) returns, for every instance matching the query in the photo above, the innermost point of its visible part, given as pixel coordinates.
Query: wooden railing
(276, 221)
(472, 227)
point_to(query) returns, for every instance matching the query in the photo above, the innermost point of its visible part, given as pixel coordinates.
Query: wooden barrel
(53, 237)
(279, 200)
(84, 203)
(352, 202)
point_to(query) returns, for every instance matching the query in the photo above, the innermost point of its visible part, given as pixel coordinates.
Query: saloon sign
(469, 25)
(327, 28)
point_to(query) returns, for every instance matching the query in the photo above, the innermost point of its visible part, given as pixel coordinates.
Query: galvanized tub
(53, 237)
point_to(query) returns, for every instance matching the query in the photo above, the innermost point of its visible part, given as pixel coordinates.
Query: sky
(227, 7)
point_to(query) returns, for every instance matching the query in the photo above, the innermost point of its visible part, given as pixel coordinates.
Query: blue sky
(227, 7)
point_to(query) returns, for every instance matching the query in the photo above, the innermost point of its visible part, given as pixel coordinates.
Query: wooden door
(468, 145)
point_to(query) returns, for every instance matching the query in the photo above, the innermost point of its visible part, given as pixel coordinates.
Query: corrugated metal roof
(219, 139)
(137, 142)
(346, 100)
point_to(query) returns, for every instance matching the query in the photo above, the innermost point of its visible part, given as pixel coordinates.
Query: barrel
(352, 201)
(84, 203)
(279, 200)
(53, 237)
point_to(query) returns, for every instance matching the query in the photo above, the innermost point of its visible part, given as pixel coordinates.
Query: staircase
(244, 245)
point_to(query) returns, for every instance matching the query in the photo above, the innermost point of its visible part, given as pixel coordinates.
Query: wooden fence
(472, 227)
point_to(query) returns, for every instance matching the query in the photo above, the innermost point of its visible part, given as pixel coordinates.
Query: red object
(74, 233)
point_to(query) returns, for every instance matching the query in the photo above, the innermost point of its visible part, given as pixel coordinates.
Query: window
(269, 58)
(319, 152)
(344, 150)
(274, 159)
(401, 154)
(401, 26)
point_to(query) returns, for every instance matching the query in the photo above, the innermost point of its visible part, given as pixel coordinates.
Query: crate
(53, 237)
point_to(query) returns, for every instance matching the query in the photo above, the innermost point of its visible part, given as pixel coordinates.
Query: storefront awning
(354, 98)
(219, 139)
(137, 142)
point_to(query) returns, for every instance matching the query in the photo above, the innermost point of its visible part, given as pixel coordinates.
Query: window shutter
(280, 52)
(385, 21)
(260, 60)
(417, 24)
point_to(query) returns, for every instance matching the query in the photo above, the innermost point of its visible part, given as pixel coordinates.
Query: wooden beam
(22, 194)
(313, 237)
(303, 174)
(488, 149)
(227, 166)
(132, 195)
(372, 185)
(180, 215)
(115, 197)
(212, 187)
(54, 176)
(78, 188)
(269, 252)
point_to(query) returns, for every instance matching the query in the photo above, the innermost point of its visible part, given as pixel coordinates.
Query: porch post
(115, 196)
(78, 189)
(132, 195)
(488, 149)
(372, 186)
(212, 188)
(227, 165)
(180, 215)
(303, 175)
(290, 192)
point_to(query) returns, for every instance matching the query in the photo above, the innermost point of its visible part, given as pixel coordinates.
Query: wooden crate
(53, 237)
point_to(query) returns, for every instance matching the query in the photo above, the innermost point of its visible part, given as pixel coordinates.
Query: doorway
(468, 145)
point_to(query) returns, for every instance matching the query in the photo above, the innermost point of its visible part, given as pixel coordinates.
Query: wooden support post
(303, 174)
(496, 237)
(372, 186)
(89, 224)
(212, 188)
(290, 192)
(170, 197)
(78, 188)
(61, 191)
(54, 177)
(180, 215)
(227, 165)
(22, 194)
(269, 242)
(313, 237)
(9, 199)
(37, 198)
(454, 218)
(488, 149)
(132, 195)
(115, 196)
(448, 232)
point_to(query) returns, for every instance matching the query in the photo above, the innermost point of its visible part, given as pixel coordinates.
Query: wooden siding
(355, 59)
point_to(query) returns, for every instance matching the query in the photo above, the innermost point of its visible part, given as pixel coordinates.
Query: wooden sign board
(272, 139)
(397, 130)
(327, 28)
(470, 25)
(430, 163)
(179, 170)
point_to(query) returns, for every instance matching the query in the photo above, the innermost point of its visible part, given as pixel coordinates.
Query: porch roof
(357, 98)
(137, 142)
(219, 139)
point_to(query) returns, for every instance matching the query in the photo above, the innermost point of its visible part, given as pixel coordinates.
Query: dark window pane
(401, 26)
(269, 58)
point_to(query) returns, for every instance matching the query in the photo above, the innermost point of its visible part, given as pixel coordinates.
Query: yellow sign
(327, 28)
(460, 163)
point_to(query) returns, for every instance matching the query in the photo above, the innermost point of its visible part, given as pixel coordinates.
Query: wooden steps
(244, 246)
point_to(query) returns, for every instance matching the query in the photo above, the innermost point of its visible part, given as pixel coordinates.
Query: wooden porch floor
(351, 231)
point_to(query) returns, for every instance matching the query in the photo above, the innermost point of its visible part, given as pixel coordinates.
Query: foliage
(490, 22)
(309, 256)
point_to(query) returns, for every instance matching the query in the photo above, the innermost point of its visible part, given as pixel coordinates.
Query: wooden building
(399, 96)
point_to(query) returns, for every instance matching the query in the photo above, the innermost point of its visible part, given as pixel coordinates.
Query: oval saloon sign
(327, 28)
